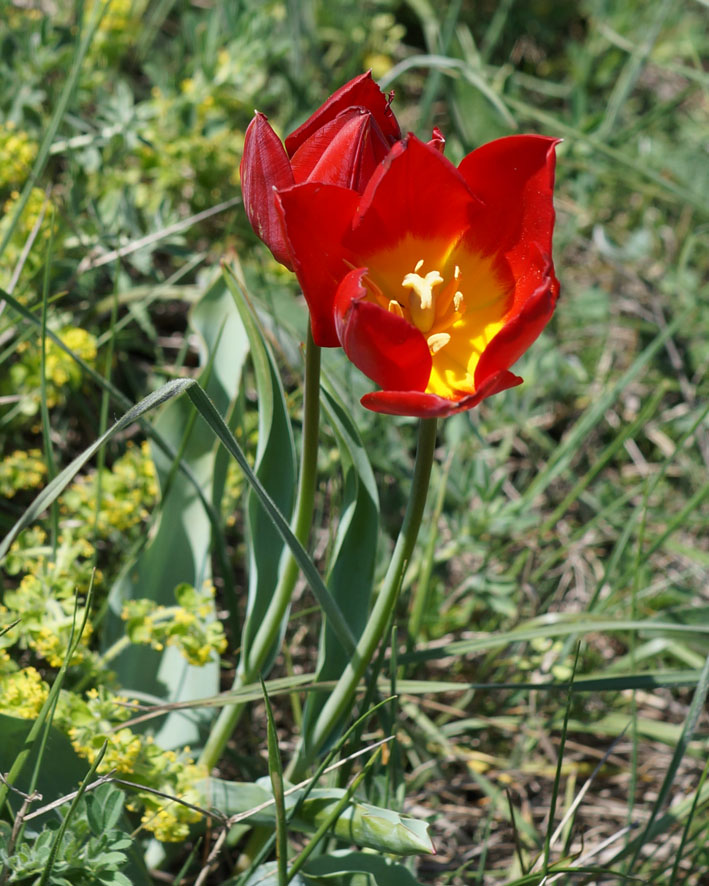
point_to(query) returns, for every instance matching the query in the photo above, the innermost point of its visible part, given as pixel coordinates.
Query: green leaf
(104, 807)
(361, 823)
(180, 549)
(346, 865)
(352, 567)
(275, 768)
(267, 875)
(275, 468)
(55, 780)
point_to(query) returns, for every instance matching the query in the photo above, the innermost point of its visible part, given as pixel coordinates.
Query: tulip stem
(340, 700)
(250, 667)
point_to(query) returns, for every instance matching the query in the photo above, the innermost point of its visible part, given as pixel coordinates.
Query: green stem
(422, 592)
(250, 669)
(341, 697)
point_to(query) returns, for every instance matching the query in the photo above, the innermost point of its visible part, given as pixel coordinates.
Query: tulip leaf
(179, 551)
(66, 769)
(359, 869)
(352, 565)
(267, 875)
(361, 824)
(275, 467)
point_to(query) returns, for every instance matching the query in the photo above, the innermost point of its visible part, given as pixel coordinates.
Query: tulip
(341, 143)
(435, 279)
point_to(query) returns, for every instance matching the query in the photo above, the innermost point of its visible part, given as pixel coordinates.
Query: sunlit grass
(551, 639)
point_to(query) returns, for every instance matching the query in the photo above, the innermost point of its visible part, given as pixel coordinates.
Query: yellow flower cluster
(118, 16)
(36, 205)
(190, 626)
(17, 154)
(48, 579)
(128, 493)
(95, 719)
(22, 693)
(22, 469)
(43, 601)
(63, 374)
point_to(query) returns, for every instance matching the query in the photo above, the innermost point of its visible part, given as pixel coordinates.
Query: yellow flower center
(431, 312)
(454, 297)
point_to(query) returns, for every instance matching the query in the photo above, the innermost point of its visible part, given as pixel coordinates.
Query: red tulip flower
(435, 280)
(342, 143)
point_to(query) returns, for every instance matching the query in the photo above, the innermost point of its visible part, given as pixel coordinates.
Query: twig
(20, 818)
(579, 797)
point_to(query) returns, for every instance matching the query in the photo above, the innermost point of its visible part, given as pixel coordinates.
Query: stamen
(395, 308)
(418, 265)
(458, 304)
(437, 341)
(421, 304)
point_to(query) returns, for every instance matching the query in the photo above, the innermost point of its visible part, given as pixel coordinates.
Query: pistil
(429, 311)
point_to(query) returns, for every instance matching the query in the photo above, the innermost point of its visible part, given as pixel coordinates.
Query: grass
(546, 670)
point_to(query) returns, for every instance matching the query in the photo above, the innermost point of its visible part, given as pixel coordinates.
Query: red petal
(265, 166)
(437, 140)
(315, 218)
(387, 348)
(415, 194)
(345, 151)
(362, 92)
(514, 177)
(522, 328)
(421, 405)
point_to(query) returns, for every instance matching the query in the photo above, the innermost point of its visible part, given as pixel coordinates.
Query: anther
(437, 341)
(395, 308)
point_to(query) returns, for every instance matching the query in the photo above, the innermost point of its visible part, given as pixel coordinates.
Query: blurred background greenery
(580, 498)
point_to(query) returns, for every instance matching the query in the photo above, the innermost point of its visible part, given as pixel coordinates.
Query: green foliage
(92, 852)
(571, 510)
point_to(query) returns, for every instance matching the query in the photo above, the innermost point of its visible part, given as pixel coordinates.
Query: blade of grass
(275, 771)
(687, 826)
(573, 440)
(690, 724)
(631, 70)
(56, 843)
(43, 405)
(599, 462)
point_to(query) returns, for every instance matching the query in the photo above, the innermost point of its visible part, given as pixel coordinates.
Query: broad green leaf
(63, 768)
(359, 869)
(275, 468)
(267, 875)
(179, 551)
(362, 824)
(104, 807)
(352, 566)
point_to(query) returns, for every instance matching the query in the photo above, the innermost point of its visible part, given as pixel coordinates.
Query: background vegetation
(566, 534)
